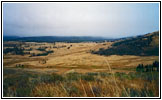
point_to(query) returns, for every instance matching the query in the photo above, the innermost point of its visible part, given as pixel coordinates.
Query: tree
(156, 65)
(140, 68)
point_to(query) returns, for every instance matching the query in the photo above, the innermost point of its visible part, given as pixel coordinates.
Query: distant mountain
(7, 38)
(141, 45)
(57, 39)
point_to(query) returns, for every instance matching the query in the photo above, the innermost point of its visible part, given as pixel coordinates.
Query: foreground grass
(27, 84)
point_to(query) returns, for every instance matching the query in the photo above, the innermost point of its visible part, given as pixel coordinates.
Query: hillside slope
(146, 45)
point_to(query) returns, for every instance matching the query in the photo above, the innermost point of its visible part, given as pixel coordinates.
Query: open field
(71, 70)
(81, 49)
(77, 58)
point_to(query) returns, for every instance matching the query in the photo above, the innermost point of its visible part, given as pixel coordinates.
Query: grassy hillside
(145, 45)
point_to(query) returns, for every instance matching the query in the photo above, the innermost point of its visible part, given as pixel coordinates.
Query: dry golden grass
(78, 57)
(105, 88)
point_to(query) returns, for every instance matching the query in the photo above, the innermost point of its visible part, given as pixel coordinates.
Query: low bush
(87, 77)
(73, 76)
(104, 74)
(51, 78)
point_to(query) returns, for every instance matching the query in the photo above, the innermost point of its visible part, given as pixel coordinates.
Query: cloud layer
(80, 19)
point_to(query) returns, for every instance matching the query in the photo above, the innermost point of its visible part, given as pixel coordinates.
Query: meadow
(61, 69)
(81, 49)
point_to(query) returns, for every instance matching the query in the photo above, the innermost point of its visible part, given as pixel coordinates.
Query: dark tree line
(42, 54)
(15, 50)
(148, 68)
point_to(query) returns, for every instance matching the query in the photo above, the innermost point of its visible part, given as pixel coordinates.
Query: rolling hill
(145, 45)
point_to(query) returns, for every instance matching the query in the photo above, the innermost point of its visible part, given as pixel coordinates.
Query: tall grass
(81, 85)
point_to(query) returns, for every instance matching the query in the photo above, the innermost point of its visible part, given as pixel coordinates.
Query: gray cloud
(80, 19)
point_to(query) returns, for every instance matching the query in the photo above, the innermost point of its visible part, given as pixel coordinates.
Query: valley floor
(76, 59)
(71, 70)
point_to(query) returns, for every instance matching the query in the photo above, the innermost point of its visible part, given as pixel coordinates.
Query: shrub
(122, 76)
(104, 74)
(87, 77)
(93, 74)
(41, 49)
(20, 85)
(71, 89)
(73, 76)
(140, 68)
(51, 78)
(19, 66)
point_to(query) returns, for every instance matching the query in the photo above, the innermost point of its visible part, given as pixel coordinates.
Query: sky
(111, 20)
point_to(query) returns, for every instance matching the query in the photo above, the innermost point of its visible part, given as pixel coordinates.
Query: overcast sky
(80, 19)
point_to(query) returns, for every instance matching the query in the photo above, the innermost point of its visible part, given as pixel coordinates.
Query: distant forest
(68, 39)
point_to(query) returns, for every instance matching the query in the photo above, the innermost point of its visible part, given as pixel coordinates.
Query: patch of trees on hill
(148, 68)
(15, 50)
(42, 54)
(42, 48)
(140, 46)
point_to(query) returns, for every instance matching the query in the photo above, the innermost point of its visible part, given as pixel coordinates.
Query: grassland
(71, 70)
